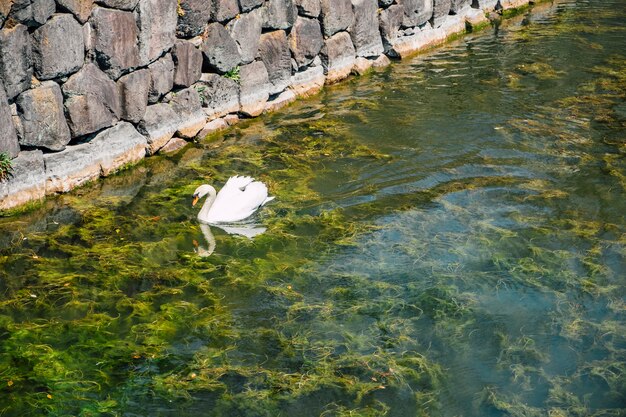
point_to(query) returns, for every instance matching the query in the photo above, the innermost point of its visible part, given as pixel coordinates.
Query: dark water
(448, 239)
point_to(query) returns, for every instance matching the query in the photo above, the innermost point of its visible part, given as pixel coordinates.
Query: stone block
(275, 54)
(158, 125)
(336, 15)
(279, 14)
(475, 18)
(309, 8)
(382, 61)
(364, 31)
(43, 120)
(362, 66)
(231, 119)
(32, 13)
(390, 20)
(81, 9)
(219, 49)
(247, 5)
(224, 10)
(338, 56)
(114, 40)
(187, 63)
(117, 147)
(408, 45)
(174, 145)
(134, 89)
(58, 47)
(16, 68)
(5, 8)
(27, 183)
(8, 136)
(305, 40)
(457, 5)
(92, 101)
(193, 17)
(284, 99)
(161, 78)
(246, 31)
(119, 4)
(254, 88)
(219, 95)
(416, 12)
(308, 82)
(212, 127)
(188, 107)
(441, 9)
(156, 20)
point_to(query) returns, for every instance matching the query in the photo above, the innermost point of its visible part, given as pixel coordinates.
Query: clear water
(448, 239)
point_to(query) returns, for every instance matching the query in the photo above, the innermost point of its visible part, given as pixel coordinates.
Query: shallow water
(448, 239)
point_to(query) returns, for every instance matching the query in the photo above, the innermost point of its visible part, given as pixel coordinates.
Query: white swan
(237, 200)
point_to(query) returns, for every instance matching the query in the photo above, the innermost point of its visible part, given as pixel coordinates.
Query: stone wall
(88, 86)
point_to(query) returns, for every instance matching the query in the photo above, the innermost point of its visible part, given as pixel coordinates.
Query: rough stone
(231, 119)
(224, 10)
(284, 99)
(279, 14)
(220, 49)
(309, 8)
(41, 112)
(457, 5)
(187, 106)
(475, 18)
(58, 47)
(156, 20)
(114, 40)
(336, 15)
(219, 95)
(174, 145)
(158, 125)
(362, 66)
(305, 40)
(92, 101)
(32, 13)
(8, 136)
(16, 68)
(247, 5)
(364, 31)
(441, 9)
(5, 8)
(254, 88)
(187, 63)
(381, 62)
(119, 4)
(134, 89)
(275, 54)
(81, 9)
(308, 82)
(161, 78)
(416, 12)
(338, 56)
(390, 21)
(246, 31)
(193, 17)
(212, 127)
(27, 183)
(118, 146)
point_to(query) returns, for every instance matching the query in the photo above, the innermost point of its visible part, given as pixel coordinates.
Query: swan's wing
(239, 198)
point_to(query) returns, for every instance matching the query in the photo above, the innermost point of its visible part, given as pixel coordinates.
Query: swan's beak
(195, 200)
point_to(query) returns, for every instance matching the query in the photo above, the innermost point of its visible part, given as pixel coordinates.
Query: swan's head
(200, 192)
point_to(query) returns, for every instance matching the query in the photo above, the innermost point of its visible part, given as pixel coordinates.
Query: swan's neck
(204, 212)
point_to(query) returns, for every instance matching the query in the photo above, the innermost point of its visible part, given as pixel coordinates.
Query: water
(448, 239)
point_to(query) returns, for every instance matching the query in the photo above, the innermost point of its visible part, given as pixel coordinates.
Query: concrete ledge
(27, 183)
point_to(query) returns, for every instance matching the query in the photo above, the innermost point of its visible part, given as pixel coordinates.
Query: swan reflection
(247, 230)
